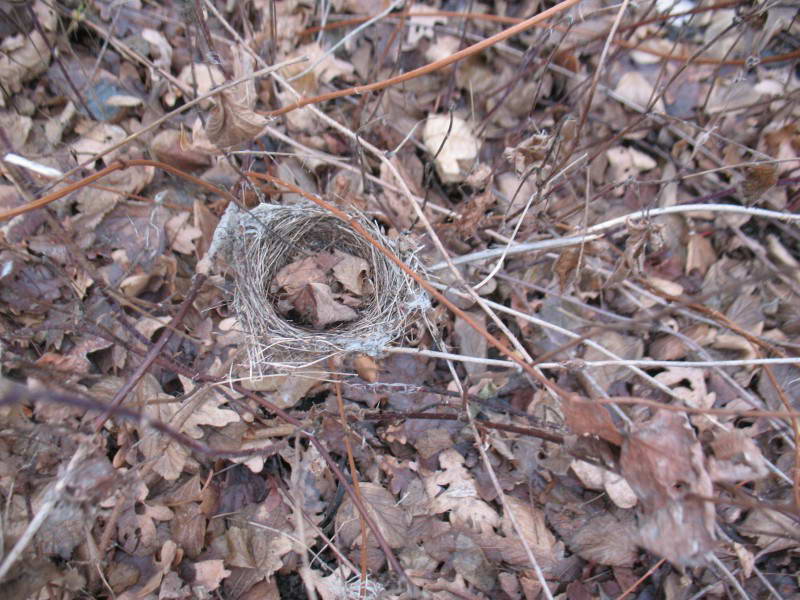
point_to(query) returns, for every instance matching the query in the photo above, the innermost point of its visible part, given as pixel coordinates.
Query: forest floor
(359, 299)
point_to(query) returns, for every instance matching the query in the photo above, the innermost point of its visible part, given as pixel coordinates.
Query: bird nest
(307, 286)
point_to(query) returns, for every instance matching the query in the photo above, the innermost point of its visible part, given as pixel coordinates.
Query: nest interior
(261, 242)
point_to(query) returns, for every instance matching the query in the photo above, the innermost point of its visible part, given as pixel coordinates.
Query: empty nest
(271, 249)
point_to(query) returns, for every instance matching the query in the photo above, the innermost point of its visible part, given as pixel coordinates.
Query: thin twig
(52, 497)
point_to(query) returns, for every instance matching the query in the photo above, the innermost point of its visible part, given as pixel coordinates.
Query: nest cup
(257, 244)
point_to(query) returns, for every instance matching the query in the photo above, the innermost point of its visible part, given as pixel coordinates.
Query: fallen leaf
(366, 367)
(453, 490)
(635, 89)
(232, 121)
(352, 272)
(663, 462)
(389, 516)
(316, 305)
(296, 275)
(210, 573)
(471, 343)
(25, 55)
(452, 143)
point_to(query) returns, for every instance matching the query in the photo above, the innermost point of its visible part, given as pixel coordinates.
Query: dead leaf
(597, 478)
(607, 538)
(533, 528)
(736, 458)
(454, 146)
(326, 68)
(171, 147)
(663, 462)
(23, 56)
(389, 516)
(295, 276)
(584, 418)
(181, 233)
(316, 305)
(232, 121)
(634, 88)
(453, 490)
(97, 138)
(352, 272)
(366, 367)
(758, 180)
(471, 343)
(210, 573)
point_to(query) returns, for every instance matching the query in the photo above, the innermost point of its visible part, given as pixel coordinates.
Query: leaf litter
(195, 488)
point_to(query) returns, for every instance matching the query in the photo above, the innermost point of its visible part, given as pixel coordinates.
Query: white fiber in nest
(254, 245)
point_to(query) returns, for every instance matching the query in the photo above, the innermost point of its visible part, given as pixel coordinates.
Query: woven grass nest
(307, 286)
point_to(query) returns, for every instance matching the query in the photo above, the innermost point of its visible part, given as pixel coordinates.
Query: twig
(434, 66)
(641, 580)
(154, 351)
(580, 363)
(51, 499)
(593, 232)
(354, 474)
(728, 575)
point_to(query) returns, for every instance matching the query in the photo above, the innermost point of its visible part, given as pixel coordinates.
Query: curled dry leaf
(736, 458)
(316, 305)
(366, 367)
(634, 88)
(597, 478)
(450, 140)
(351, 271)
(232, 121)
(391, 519)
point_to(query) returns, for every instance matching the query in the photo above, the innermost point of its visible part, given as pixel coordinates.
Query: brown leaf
(260, 541)
(584, 418)
(296, 275)
(736, 458)
(351, 271)
(700, 254)
(470, 343)
(188, 529)
(663, 462)
(316, 305)
(453, 490)
(231, 121)
(210, 573)
(607, 539)
(470, 562)
(758, 180)
(532, 526)
(169, 146)
(389, 516)
(25, 55)
(453, 144)
(565, 266)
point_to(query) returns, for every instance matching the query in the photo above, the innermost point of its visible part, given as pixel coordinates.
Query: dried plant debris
(308, 286)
